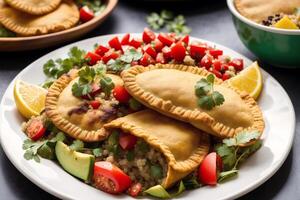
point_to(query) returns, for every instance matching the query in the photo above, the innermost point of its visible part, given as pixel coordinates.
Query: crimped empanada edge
(69, 128)
(192, 116)
(181, 166)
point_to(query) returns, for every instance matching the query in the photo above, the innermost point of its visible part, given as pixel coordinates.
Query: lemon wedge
(249, 80)
(29, 98)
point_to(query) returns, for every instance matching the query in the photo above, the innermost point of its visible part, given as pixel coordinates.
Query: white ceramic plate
(278, 138)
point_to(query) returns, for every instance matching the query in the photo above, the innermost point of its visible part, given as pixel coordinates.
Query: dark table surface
(211, 21)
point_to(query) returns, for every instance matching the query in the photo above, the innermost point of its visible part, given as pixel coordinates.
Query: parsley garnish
(207, 97)
(5, 32)
(233, 154)
(54, 69)
(87, 76)
(95, 5)
(44, 148)
(166, 18)
(124, 62)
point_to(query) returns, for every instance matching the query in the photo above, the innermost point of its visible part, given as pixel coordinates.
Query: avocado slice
(76, 163)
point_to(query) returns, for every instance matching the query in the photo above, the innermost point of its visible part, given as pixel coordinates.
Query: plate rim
(43, 185)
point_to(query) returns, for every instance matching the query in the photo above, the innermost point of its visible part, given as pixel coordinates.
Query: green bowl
(278, 47)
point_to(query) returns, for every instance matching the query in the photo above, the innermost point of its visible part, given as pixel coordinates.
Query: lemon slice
(249, 80)
(29, 98)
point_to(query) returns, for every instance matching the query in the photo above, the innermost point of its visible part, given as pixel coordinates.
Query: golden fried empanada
(183, 146)
(170, 90)
(34, 7)
(73, 115)
(64, 17)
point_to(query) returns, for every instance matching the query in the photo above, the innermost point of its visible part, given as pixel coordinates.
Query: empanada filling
(140, 161)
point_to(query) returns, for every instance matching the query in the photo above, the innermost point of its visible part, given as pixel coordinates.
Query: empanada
(64, 17)
(169, 89)
(258, 10)
(73, 115)
(34, 7)
(176, 147)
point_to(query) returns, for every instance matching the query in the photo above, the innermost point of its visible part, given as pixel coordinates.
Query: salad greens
(166, 19)
(207, 97)
(232, 153)
(160, 192)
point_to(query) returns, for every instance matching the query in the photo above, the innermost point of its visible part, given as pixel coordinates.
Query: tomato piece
(178, 52)
(206, 61)
(109, 178)
(121, 94)
(111, 54)
(208, 169)
(185, 39)
(215, 52)
(86, 14)
(136, 43)
(150, 50)
(95, 104)
(92, 57)
(225, 76)
(125, 39)
(101, 50)
(160, 58)
(148, 35)
(238, 64)
(217, 73)
(197, 51)
(146, 60)
(35, 129)
(158, 45)
(127, 141)
(115, 43)
(135, 189)
(217, 65)
(165, 39)
(167, 53)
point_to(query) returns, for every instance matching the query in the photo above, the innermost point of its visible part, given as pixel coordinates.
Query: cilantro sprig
(233, 154)
(167, 19)
(89, 75)
(207, 97)
(124, 61)
(55, 68)
(96, 6)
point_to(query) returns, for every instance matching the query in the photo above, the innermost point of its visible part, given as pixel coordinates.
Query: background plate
(278, 138)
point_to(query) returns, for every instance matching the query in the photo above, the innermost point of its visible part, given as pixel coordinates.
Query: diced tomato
(165, 39)
(121, 94)
(35, 129)
(160, 58)
(93, 58)
(224, 67)
(101, 50)
(167, 53)
(178, 52)
(206, 61)
(111, 54)
(135, 189)
(185, 39)
(146, 60)
(86, 14)
(158, 45)
(225, 76)
(197, 51)
(136, 43)
(127, 141)
(109, 178)
(125, 39)
(95, 104)
(150, 50)
(217, 65)
(217, 73)
(215, 52)
(238, 64)
(148, 35)
(115, 43)
(209, 168)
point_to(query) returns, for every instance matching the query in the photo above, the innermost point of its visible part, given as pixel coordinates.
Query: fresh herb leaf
(107, 84)
(224, 176)
(97, 152)
(142, 146)
(181, 189)
(76, 145)
(228, 156)
(113, 138)
(207, 97)
(242, 138)
(45, 151)
(5, 32)
(130, 155)
(156, 171)
(191, 183)
(155, 21)
(158, 191)
(79, 90)
(178, 25)
(95, 5)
